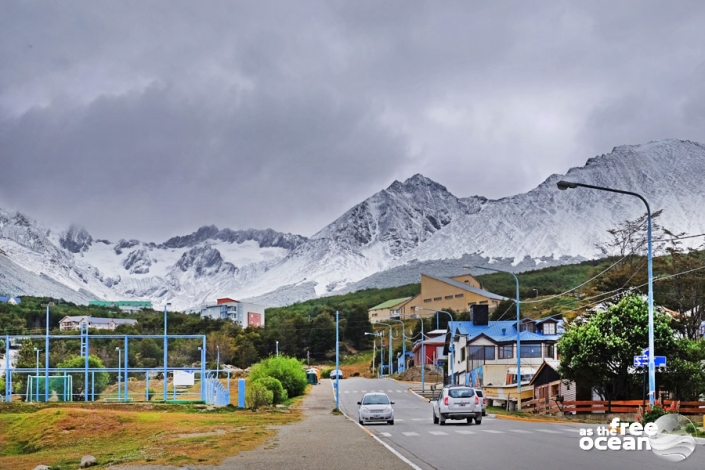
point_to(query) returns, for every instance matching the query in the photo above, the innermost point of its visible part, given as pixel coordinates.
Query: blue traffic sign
(643, 361)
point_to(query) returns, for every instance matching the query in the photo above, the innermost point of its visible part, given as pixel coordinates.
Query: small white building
(74, 323)
(244, 313)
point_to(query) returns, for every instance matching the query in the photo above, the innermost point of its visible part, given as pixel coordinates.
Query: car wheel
(484, 413)
(435, 420)
(478, 421)
(442, 420)
(360, 421)
(469, 421)
(391, 422)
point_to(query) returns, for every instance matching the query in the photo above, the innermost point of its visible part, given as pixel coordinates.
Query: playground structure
(60, 380)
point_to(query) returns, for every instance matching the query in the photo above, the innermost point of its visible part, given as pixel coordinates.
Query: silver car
(483, 400)
(376, 407)
(457, 402)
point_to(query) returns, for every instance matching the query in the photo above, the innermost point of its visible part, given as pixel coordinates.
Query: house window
(549, 328)
(483, 302)
(458, 296)
(462, 354)
(449, 297)
(549, 351)
(506, 351)
(530, 350)
(530, 327)
(426, 300)
(438, 298)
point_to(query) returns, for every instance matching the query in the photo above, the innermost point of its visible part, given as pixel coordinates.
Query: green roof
(390, 303)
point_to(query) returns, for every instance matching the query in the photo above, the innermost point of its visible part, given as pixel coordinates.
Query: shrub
(325, 373)
(150, 393)
(651, 414)
(274, 386)
(288, 370)
(257, 395)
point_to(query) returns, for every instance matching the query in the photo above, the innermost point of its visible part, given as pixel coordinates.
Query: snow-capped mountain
(411, 226)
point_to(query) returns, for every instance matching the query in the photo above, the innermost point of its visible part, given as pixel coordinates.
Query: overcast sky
(147, 119)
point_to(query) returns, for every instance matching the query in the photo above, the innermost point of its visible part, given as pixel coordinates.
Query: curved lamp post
(452, 348)
(563, 185)
(518, 334)
(390, 344)
(403, 342)
(423, 355)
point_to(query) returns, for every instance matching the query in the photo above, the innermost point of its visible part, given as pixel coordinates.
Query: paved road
(496, 443)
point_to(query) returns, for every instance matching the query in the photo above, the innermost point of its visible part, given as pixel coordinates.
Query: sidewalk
(321, 441)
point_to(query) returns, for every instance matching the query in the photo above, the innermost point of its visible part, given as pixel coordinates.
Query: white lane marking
(399, 419)
(550, 431)
(364, 391)
(521, 431)
(438, 433)
(346, 391)
(400, 391)
(466, 432)
(386, 434)
(571, 429)
(390, 390)
(419, 419)
(492, 431)
(410, 434)
(354, 391)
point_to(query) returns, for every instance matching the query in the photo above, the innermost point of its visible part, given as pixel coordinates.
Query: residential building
(74, 323)
(549, 389)
(434, 345)
(485, 353)
(244, 313)
(124, 305)
(459, 293)
(387, 310)
(11, 300)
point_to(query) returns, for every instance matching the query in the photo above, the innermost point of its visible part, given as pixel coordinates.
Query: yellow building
(387, 310)
(459, 293)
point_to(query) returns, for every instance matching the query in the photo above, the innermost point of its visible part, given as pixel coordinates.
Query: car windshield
(375, 400)
(461, 392)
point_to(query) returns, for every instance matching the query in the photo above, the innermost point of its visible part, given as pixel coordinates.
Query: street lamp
(119, 369)
(452, 348)
(381, 357)
(563, 185)
(518, 334)
(37, 351)
(423, 355)
(403, 343)
(390, 343)
(277, 346)
(217, 362)
(166, 345)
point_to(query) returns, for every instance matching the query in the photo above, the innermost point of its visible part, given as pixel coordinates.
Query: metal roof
(467, 287)
(391, 303)
(497, 331)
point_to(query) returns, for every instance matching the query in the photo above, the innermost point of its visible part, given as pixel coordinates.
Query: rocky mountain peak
(76, 239)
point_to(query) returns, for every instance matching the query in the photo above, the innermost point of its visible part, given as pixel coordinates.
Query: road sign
(643, 361)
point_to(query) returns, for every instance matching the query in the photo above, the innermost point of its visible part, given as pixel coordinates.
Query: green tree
(288, 370)
(358, 323)
(100, 379)
(322, 335)
(685, 375)
(598, 352)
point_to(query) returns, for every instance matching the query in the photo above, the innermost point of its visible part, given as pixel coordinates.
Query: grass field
(60, 434)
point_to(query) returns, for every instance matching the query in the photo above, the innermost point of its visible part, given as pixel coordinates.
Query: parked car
(457, 402)
(483, 400)
(336, 374)
(375, 407)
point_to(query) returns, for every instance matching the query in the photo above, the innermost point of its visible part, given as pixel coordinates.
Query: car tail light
(477, 400)
(484, 400)
(445, 402)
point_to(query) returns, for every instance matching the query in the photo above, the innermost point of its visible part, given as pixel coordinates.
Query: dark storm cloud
(151, 118)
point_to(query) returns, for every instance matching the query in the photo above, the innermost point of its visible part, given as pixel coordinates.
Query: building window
(550, 351)
(528, 327)
(462, 354)
(438, 298)
(549, 328)
(506, 351)
(458, 296)
(530, 350)
(426, 300)
(483, 302)
(449, 297)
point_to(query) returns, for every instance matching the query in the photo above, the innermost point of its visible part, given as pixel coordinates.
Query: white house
(244, 313)
(74, 323)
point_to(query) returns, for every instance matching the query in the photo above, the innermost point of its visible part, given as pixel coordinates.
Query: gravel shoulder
(322, 440)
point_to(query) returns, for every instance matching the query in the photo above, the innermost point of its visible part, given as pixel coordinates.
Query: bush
(257, 395)
(651, 414)
(150, 393)
(274, 386)
(288, 370)
(325, 373)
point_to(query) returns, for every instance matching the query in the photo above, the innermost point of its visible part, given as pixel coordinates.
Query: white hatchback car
(376, 407)
(336, 374)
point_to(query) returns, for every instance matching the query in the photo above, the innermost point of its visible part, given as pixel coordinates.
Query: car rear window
(479, 393)
(375, 400)
(461, 393)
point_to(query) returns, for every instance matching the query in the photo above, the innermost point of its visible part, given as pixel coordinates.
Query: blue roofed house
(485, 353)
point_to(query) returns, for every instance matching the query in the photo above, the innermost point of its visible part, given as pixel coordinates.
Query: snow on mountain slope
(387, 239)
(549, 222)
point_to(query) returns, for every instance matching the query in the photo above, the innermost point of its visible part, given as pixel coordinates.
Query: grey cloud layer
(150, 119)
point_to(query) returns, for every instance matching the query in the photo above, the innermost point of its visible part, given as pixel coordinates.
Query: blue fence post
(241, 393)
(126, 364)
(146, 389)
